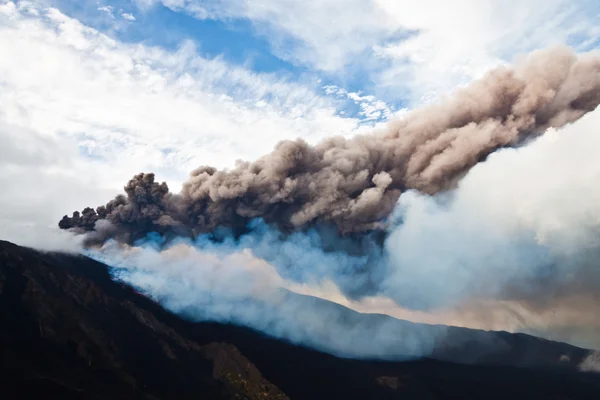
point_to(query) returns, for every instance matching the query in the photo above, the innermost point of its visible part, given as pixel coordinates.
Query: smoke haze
(239, 288)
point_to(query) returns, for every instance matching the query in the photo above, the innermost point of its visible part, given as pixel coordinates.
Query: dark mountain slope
(68, 331)
(463, 345)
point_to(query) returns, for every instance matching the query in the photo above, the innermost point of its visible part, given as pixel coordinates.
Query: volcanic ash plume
(355, 183)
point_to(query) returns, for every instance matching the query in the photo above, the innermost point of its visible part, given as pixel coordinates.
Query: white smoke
(237, 287)
(523, 227)
(591, 363)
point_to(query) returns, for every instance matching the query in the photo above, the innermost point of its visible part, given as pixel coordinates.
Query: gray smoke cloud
(510, 243)
(354, 184)
(514, 247)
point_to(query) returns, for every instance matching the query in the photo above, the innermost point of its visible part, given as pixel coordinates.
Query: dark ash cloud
(355, 183)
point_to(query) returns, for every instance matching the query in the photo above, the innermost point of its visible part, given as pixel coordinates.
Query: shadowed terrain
(67, 330)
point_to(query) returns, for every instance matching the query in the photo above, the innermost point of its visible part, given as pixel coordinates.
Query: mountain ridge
(68, 330)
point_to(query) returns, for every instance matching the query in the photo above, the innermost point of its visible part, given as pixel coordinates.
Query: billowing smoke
(515, 247)
(354, 184)
(512, 235)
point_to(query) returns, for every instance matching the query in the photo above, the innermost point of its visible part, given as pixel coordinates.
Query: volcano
(68, 331)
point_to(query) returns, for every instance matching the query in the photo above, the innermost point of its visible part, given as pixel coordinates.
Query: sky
(93, 92)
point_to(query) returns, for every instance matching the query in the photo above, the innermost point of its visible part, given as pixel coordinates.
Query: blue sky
(363, 46)
(367, 55)
(236, 41)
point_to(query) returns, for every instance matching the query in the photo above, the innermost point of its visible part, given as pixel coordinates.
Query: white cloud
(449, 42)
(96, 111)
(128, 16)
(321, 34)
(371, 108)
(460, 40)
(107, 9)
(42, 177)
